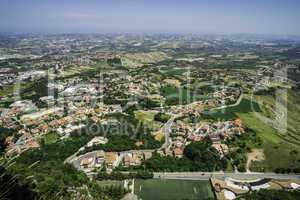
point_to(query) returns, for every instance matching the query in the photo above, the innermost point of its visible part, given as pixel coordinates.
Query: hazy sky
(182, 16)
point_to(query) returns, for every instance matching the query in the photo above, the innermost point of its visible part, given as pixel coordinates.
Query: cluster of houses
(54, 119)
(226, 96)
(24, 142)
(8, 77)
(109, 160)
(96, 159)
(267, 77)
(74, 106)
(79, 101)
(183, 134)
(135, 158)
(99, 159)
(219, 98)
(9, 116)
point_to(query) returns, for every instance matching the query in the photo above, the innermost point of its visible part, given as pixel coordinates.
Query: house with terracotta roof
(133, 159)
(87, 162)
(178, 152)
(91, 161)
(111, 159)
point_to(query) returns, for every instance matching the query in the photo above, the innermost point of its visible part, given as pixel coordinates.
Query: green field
(147, 117)
(179, 96)
(283, 145)
(155, 189)
(51, 138)
(275, 144)
(245, 106)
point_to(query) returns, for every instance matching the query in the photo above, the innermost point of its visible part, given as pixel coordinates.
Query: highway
(208, 175)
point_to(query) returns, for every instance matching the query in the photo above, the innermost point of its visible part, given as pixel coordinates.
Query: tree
(264, 194)
(161, 117)
(204, 156)
(12, 189)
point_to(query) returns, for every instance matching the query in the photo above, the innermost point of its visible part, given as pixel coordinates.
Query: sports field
(156, 189)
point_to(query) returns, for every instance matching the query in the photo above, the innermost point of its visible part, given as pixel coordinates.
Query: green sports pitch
(173, 190)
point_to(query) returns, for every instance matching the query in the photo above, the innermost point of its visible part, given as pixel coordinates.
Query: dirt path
(255, 155)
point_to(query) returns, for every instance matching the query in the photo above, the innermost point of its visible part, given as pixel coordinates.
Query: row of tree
(122, 176)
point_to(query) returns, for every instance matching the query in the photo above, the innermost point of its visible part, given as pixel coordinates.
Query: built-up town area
(126, 107)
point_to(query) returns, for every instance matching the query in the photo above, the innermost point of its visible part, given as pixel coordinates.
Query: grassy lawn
(146, 117)
(51, 138)
(267, 133)
(172, 189)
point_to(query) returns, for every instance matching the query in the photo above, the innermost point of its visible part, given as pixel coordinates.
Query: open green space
(178, 96)
(50, 138)
(32, 90)
(230, 113)
(172, 189)
(147, 117)
(274, 144)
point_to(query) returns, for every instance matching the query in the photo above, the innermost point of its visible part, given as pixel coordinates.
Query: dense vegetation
(168, 163)
(11, 188)
(204, 156)
(119, 143)
(35, 89)
(111, 192)
(123, 135)
(44, 171)
(177, 96)
(272, 195)
(162, 117)
(4, 132)
(114, 61)
(122, 176)
(198, 156)
(240, 145)
(50, 175)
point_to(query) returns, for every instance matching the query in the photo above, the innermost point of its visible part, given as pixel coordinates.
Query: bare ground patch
(255, 155)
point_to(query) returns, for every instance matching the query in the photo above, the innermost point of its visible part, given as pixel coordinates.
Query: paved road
(167, 131)
(76, 160)
(208, 175)
(231, 105)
